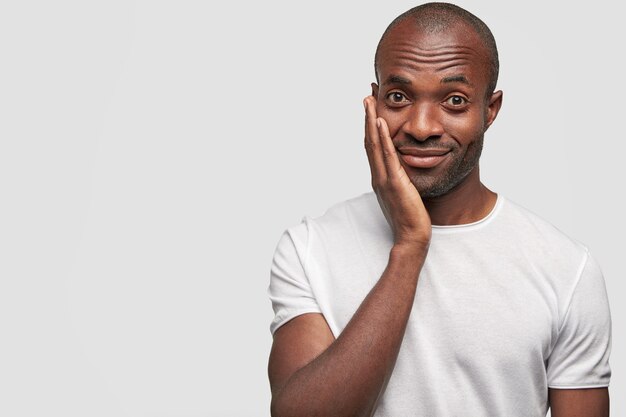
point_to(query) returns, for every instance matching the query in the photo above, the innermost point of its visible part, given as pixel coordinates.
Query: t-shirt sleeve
(580, 357)
(289, 289)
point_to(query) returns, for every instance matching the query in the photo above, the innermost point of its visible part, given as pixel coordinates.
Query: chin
(430, 189)
(428, 194)
(436, 189)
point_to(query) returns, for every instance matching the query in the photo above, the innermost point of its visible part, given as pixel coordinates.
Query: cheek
(395, 119)
(464, 127)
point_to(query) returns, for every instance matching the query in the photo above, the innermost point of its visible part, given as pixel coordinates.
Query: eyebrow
(396, 79)
(456, 79)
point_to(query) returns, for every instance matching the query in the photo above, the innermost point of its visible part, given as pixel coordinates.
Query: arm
(580, 356)
(590, 402)
(313, 375)
(350, 372)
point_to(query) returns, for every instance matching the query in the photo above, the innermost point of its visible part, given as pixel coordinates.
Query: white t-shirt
(505, 307)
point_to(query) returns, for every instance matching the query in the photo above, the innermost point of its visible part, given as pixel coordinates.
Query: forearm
(347, 378)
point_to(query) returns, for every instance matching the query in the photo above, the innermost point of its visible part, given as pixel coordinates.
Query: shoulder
(360, 215)
(540, 238)
(361, 211)
(364, 204)
(536, 227)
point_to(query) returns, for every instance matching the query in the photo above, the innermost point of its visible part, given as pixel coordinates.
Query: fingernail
(378, 123)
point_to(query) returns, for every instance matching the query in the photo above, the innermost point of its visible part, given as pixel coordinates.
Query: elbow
(275, 410)
(278, 409)
(281, 407)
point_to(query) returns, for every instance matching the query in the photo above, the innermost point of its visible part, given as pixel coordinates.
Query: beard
(455, 173)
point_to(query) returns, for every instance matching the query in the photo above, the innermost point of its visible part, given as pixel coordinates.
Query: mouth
(423, 158)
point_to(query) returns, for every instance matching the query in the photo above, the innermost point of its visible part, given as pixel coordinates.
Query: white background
(152, 152)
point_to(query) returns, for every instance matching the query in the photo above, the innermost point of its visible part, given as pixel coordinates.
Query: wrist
(414, 250)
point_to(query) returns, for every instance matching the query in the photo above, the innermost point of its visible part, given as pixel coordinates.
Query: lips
(423, 158)
(423, 152)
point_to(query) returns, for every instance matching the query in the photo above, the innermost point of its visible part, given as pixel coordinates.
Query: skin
(591, 402)
(313, 374)
(432, 94)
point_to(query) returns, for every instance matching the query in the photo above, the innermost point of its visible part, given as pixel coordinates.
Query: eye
(395, 98)
(456, 101)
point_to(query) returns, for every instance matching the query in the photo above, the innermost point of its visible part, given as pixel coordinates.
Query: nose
(423, 122)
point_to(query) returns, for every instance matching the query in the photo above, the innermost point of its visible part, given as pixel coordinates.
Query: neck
(467, 202)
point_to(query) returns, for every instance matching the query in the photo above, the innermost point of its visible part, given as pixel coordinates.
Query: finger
(390, 155)
(372, 144)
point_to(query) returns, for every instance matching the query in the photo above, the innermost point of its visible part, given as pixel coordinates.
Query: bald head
(433, 18)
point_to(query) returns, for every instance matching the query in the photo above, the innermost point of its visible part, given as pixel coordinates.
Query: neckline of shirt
(452, 228)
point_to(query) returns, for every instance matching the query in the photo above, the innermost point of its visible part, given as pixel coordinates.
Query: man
(433, 295)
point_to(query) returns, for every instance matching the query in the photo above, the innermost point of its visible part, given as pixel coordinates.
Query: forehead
(457, 48)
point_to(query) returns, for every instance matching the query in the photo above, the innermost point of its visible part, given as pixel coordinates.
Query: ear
(375, 90)
(493, 107)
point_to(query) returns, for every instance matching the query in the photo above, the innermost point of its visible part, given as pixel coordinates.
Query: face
(432, 94)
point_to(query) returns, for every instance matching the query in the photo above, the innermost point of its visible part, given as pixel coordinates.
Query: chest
(499, 307)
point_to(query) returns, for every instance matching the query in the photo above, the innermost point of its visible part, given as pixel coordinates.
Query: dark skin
(313, 374)
(590, 402)
(432, 94)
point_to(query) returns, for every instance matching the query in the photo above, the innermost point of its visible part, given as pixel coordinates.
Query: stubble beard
(457, 172)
